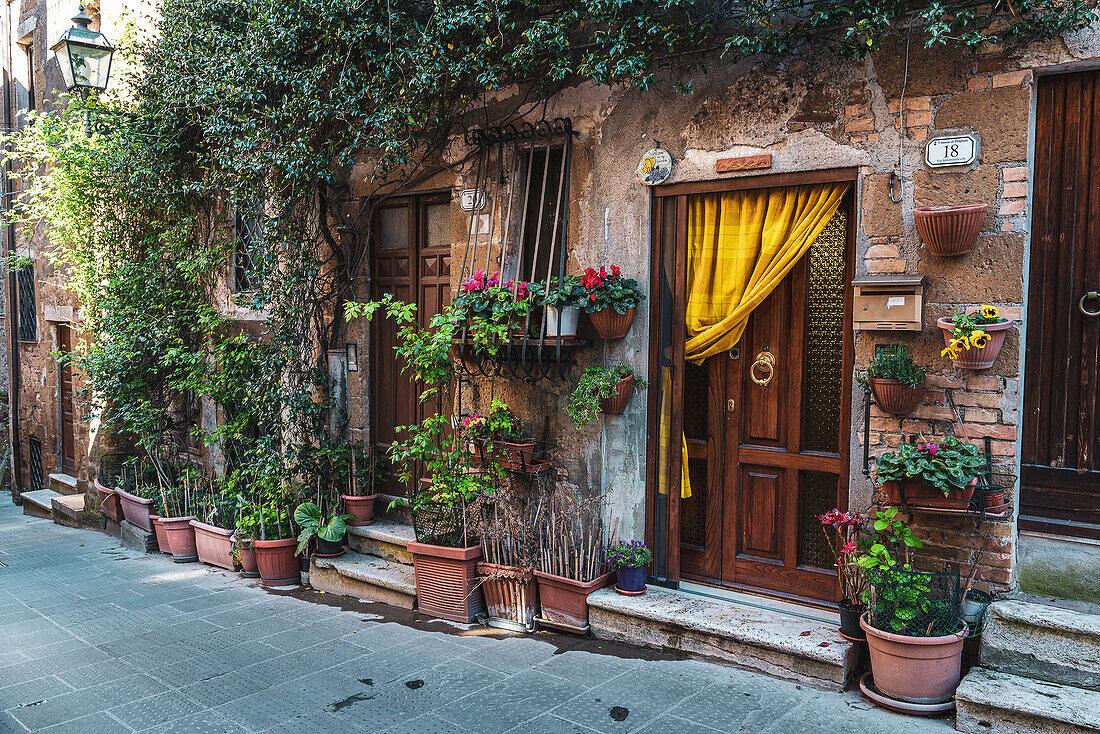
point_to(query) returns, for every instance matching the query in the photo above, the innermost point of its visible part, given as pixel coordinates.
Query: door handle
(765, 362)
(731, 405)
(1090, 296)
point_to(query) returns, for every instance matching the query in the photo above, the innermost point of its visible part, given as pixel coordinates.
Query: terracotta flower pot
(915, 669)
(362, 506)
(136, 510)
(894, 397)
(920, 495)
(181, 538)
(995, 502)
(109, 502)
(565, 601)
(977, 359)
(162, 535)
(617, 403)
(511, 596)
(446, 581)
(610, 324)
(276, 562)
(248, 559)
(214, 545)
(949, 231)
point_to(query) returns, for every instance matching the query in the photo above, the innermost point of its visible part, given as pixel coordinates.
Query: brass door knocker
(1090, 296)
(765, 362)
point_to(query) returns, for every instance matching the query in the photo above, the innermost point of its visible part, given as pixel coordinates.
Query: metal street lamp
(84, 56)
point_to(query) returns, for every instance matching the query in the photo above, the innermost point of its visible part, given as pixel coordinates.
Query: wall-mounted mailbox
(888, 302)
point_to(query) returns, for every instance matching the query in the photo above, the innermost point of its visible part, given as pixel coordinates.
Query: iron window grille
(34, 464)
(248, 233)
(28, 312)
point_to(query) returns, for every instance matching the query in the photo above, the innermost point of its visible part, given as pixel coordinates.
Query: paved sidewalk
(95, 638)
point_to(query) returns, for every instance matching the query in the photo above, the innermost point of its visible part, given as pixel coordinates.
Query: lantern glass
(84, 56)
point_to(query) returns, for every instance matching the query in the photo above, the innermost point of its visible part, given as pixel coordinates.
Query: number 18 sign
(952, 150)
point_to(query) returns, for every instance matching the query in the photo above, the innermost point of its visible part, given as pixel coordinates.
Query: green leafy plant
(489, 308)
(314, 522)
(597, 384)
(632, 554)
(895, 363)
(568, 293)
(948, 466)
(605, 289)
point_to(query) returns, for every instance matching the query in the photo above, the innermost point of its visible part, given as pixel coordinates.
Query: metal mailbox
(888, 302)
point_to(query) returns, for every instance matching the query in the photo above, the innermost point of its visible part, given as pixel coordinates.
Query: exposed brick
(938, 397)
(879, 267)
(1003, 448)
(1014, 190)
(892, 440)
(994, 575)
(1011, 78)
(863, 124)
(977, 542)
(949, 383)
(918, 103)
(988, 65)
(915, 427)
(1010, 208)
(1012, 313)
(977, 82)
(982, 415)
(1008, 227)
(1014, 173)
(980, 430)
(918, 134)
(983, 382)
(918, 119)
(893, 105)
(997, 560)
(976, 399)
(877, 412)
(880, 252)
(855, 110)
(885, 424)
(934, 412)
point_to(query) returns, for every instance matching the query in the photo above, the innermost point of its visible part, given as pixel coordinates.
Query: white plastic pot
(569, 318)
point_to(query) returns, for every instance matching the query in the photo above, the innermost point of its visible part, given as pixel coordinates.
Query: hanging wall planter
(977, 359)
(950, 231)
(610, 324)
(569, 318)
(616, 404)
(894, 397)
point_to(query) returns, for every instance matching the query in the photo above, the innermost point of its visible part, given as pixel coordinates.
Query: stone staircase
(1040, 671)
(60, 495)
(378, 566)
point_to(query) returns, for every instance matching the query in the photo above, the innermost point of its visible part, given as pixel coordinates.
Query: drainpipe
(13, 306)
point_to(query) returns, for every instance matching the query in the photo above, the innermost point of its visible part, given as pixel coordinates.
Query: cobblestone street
(96, 638)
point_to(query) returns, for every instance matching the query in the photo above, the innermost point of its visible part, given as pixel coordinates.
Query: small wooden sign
(743, 163)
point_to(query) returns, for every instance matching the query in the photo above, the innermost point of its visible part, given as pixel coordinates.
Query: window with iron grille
(248, 233)
(28, 312)
(34, 464)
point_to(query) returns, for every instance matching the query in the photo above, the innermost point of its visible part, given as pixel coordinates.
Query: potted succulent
(365, 478)
(896, 381)
(610, 300)
(974, 340)
(842, 531)
(629, 561)
(930, 474)
(275, 545)
(327, 532)
(602, 390)
(560, 303)
(912, 623)
(949, 231)
(570, 562)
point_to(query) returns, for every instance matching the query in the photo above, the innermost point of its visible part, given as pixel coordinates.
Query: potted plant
(275, 546)
(500, 437)
(602, 390)
(109, 503)
(570, 562)
(365, 478)
(912, 623)
(508, 551)
(974, 340)
(137, 507)
(930, 474)
(489, 309)
(214, 533)
(629, 561)
(162, 535)
(842, 531)
(610, 300)
(896, 381)
(328, 533)
(560, 303)
(247, 526)
(949, 231)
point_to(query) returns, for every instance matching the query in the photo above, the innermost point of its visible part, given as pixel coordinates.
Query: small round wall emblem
(655, 166)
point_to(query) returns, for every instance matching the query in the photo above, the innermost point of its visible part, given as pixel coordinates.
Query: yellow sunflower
(989, 312)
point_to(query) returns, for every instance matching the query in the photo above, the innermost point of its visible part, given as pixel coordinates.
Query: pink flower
(849, 548)
(615, 270)
(932, 449)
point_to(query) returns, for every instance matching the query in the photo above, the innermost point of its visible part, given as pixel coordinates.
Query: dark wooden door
(765, 459)
(65, 393)
(1060, 472)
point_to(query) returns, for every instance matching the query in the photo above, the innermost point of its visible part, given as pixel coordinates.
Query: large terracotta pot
(949, 231)
(162, 535)
(360, 506)
(610, 324)
(920, 495)
(915, 669)
(894, 397)
(617, 403)
(977, 359)
(511, 595)
(136, 510)
(276, 562)
(214, 545)
(565, 601)
(109, 502)
(181, 538)
(446, 581)
(248, 559)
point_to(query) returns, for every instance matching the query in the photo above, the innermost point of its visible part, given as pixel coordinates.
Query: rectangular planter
(109, 502)
(214, 545)
(511, 596)
(446, 581)
(162, 535)
(565, 601)
(918, 495)
(136, 510)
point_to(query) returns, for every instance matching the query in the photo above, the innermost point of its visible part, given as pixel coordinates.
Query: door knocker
(1090, 296)
(765, 363)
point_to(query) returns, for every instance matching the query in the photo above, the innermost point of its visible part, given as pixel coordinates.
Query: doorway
(67, 433)
(765, 423)
(1060, 462)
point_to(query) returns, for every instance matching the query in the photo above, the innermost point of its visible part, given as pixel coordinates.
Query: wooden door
(765, 459)
(65, 393)
(1060, 472)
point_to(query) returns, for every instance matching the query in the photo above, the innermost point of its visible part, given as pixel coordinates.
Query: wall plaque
(655, 166)
(951, 150)
(743, 163)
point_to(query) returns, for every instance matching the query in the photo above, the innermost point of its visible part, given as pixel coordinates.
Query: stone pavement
(95, 638)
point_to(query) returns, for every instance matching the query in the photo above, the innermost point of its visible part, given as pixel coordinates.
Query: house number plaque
(952, 150)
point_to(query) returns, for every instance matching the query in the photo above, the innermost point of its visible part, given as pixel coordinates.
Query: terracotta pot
(162, 535)
(915, 669)
(214, 545)
(248, 560)
(977, 359)
(610, 324)
(995, 502)
(362, 506)
(617, 403)
(511, 595)
(850, 612)
(109, 502)
(951, 230)
(446, 581)
(276, 562)
(181, 538)
(565, 601)
(136, 510)
(919, 495)
(895, 398)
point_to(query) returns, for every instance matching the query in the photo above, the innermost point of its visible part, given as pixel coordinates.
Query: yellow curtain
(741, 244)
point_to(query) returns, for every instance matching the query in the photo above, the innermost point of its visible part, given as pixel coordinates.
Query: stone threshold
(365, 577)
(991, 701)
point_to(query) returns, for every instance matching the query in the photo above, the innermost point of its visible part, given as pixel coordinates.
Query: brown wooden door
(410, 258)
(1060, 472)
(764, 460)
(65, 393)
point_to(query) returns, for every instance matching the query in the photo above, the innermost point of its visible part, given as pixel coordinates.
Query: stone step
(63, 483)
(773, 642)
(365, 577)
(39, 502)
(991, 701)
(1042, 641)
(69, 510)
(385, 539)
